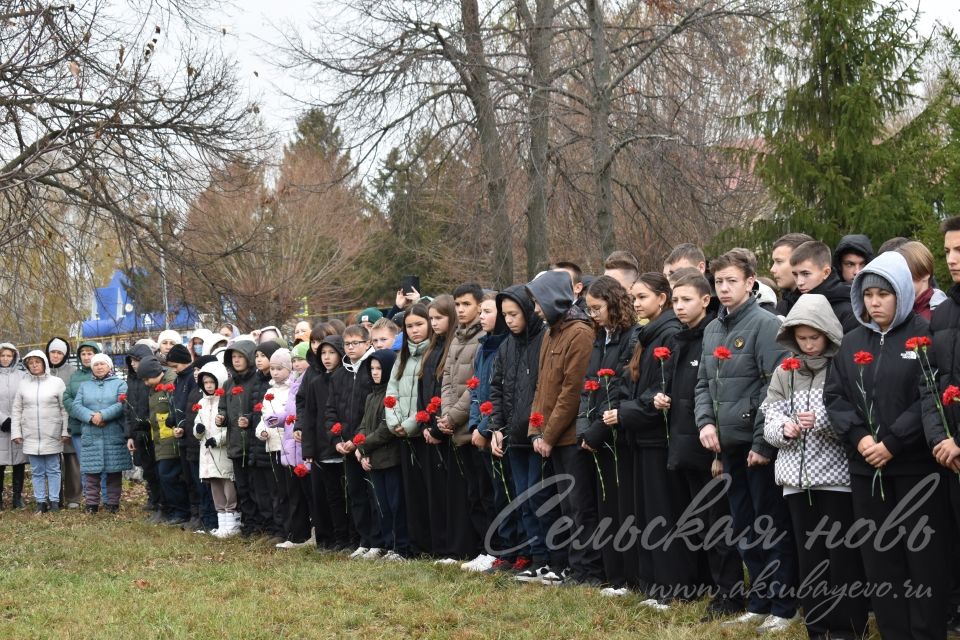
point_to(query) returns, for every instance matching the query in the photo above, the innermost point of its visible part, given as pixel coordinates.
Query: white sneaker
(551, 578)
(287, 544)
(393, 556)
(445, 561)
(533, 574)
(358, 553)
(479, 564)
(373, 554)
(612, 592)
(745, 618)
(230, 526)
(653, 603)
(775, 624)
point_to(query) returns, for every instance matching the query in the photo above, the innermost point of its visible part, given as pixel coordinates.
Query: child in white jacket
(216, 468)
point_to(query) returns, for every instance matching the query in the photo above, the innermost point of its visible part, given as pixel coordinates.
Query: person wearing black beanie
(179, 354)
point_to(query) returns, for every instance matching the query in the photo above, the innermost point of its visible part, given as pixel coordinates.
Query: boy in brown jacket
(564, 356)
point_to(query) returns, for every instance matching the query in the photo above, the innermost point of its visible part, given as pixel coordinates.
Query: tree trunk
(540, 53)
(600, 128)
(490, 145)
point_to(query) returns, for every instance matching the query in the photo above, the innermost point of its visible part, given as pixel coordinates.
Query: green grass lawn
(71, 575)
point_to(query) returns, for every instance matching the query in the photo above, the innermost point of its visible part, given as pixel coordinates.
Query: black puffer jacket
(686, 347)
(644, 425)
(318, 443)
(891, 382)
(137, 407)
(945, 360)
(350, 385)
(613, 353)
(515, 370)
(241, 442)
(430, 386)
(185, 394)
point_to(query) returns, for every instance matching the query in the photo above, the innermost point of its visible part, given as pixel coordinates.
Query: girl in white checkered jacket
(811, 464)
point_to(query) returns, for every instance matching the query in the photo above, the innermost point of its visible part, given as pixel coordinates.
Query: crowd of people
(651, 433)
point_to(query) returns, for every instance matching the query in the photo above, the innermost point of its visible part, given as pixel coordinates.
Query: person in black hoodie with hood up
(609, 304)
(852, 254)
(888, 454)
(329, 508)
(242, 392)
(137, 412)
(512, 388)
(689, 465)
(180, 420)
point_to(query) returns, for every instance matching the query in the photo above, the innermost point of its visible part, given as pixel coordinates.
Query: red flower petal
(486, 408)
(473, 383)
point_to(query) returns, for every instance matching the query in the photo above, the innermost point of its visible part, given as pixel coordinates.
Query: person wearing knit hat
(149, 368)
(876, 281)
(167, 339)
(179, 354)
(300, 351)
(264, 351)
(281, 358)
(102, 357)
(368, 317)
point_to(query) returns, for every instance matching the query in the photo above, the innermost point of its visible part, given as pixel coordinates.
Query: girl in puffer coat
(39, 423)
(811, 464)
(216, 467)
(270, 432)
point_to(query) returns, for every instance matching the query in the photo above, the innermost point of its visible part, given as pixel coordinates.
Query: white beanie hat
(169, 334)
(102, 357)
(57, 345)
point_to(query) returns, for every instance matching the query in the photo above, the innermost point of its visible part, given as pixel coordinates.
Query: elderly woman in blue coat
(99, 406)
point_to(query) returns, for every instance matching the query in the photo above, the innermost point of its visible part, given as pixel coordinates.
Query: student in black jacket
(349, 387)
(137, 412)
(647, 431)
(888, 454)
(511, 393)
(611, 308)
(329, 506)
(688, 463)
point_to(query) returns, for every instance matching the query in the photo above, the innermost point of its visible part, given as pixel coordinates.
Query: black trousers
(901, 613)
(331, 492)
(265, 482)
(363, 504)
(188, 477)
(297, 494)
(612, 471)
(675, 566)
(479, 492)
(823, 613)
(753, 494)
(458, 529)
(251, 518)
(724, 568)
(439, 459)
(16, 493)
(414, 467)
(578, 504)
(143, 457)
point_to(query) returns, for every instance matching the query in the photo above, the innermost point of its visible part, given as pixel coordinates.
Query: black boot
(42, 507)
(91, 509)
(18, 473)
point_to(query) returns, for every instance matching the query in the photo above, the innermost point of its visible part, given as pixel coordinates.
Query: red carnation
(661, 353)
(236, 391)
(301, 470)
(268, 397)
(218, 392)
(423, 417)
(196, 407)
(158, 388)
(791, 364)
(473, 383)
(536, 419)
(170, 387)
(863, 358)
(291, 419)
(389, 402)
(591, 386)
(435, 400)
(951, 394)
(918, 342)
(606, 373)
(433, 407)
(336, 429)
(359, 439)
(486, 408)
(122, 397)
(911, 344)
(257, 408)
(722, 353)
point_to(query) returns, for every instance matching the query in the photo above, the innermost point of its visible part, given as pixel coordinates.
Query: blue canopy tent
(114, 313)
